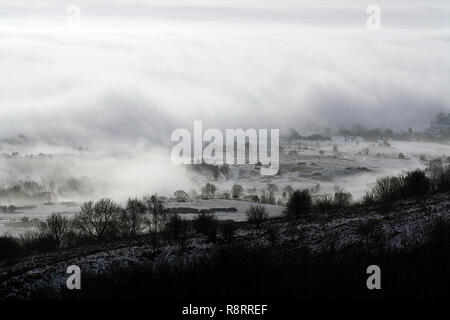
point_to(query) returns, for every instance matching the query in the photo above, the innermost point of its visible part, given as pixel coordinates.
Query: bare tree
(158, 215)
(299, 204)
(96, 220)
(132, 218)
(55, 227)
(288, 189)
(236, 191)
(272, 187)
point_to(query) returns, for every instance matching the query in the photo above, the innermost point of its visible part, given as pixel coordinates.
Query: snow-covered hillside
(400, 225)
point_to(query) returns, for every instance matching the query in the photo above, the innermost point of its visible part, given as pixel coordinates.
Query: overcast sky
(133, 71)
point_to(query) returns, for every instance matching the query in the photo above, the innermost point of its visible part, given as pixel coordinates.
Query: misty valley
(36, 185)
(224, 158)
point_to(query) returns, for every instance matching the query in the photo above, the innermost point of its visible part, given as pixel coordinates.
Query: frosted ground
(401, 228)
(303, 164)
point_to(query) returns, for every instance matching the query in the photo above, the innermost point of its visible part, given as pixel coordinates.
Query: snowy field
(310, 164)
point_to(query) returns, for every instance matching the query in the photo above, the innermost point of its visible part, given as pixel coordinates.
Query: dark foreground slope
(321, 256)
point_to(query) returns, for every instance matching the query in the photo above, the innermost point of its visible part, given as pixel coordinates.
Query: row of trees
(209, 191)
(105, 219)
(267, 195)
(30, 190)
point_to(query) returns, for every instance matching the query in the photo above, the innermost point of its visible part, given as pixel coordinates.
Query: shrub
(414, 183)
(227, 231)
(236, 191)
(205, 223)
(181, 196)
(288, 189)
(341, 198)
(74, 239)
(272, 187)
(365, 151)
(299, 204)
(257, 214)
(366, 229)
(442, 181)
(226, 195)
(386, 189)
(272, 235)
(323, 202)
(408, 184)
(439, 233)
(34, 242)
(176, 226)
(435, 167)
(208, 190)
(368, 198)
(9, 248)
(271, 198)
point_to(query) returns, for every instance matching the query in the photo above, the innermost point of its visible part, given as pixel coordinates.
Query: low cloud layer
(130, 74)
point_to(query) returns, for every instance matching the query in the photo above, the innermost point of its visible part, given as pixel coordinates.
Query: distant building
(441, 126)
